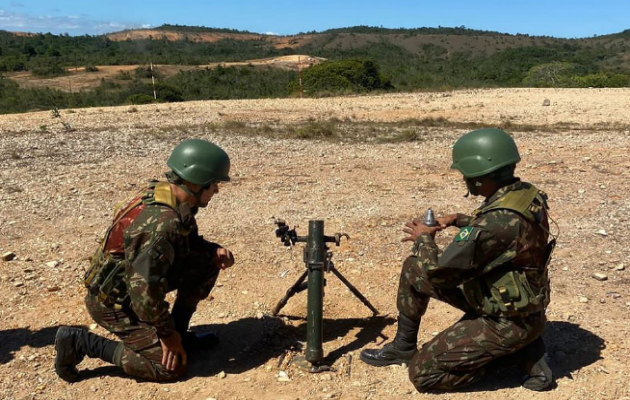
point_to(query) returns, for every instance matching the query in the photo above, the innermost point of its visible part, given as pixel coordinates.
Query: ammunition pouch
(105, 279)
(505, 294)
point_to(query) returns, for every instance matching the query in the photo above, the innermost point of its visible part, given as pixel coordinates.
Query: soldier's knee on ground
(145, 366)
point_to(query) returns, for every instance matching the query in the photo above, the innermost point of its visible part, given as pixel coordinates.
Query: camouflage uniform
(496, 272)
(152, 248)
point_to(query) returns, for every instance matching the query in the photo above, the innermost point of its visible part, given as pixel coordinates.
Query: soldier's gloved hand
(173, 353)
(415, 228)
(447, 220)
(223, 258)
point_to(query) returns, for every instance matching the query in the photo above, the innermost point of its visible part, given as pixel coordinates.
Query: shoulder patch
(464, 234)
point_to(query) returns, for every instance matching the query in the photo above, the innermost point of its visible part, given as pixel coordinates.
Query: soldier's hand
(173, 353)
(447, 220)
(415, 228)
(223, 258)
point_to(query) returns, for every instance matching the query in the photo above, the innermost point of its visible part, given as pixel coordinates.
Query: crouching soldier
(495, 271)
(151, 248)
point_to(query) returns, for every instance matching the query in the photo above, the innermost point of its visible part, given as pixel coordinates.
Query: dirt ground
(58, 188)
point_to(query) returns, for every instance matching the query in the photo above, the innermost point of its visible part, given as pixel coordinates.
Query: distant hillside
(402, 59)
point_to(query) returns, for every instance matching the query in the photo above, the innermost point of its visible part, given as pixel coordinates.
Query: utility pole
(153, 82)
(300, 74)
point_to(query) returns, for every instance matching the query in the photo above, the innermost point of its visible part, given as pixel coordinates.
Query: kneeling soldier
(151, 248)
(495, 271)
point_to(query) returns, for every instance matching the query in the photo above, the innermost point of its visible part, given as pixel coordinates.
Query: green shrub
(139, 99)
(353, 75)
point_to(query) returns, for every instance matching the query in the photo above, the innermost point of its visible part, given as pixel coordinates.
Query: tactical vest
(105, 277)
(513, 288)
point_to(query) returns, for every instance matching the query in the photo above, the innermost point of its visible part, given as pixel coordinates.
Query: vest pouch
(94, 275)
(105, 279)
(474, 294)
(512, 293)
(113, 290)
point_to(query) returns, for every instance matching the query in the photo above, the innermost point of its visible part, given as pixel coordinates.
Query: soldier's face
(208, 193)
(473, 185)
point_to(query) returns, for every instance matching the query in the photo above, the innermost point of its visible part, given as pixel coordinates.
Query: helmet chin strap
(174, 179)
(472, 188)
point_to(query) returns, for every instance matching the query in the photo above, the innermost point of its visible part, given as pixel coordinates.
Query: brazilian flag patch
(464, 234)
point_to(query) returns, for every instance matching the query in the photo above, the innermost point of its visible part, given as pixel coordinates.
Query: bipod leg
(354, 291)
(290, 292)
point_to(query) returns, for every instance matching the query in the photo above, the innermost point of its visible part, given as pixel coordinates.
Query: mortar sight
(287, 236)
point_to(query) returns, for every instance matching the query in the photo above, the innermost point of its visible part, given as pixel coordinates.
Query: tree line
(380, 66)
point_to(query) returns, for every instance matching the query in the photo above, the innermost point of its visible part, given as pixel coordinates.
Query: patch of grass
(406, 135)
(316, 130)
(234, 125)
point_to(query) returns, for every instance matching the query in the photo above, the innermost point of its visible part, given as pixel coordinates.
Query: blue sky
(562, 18)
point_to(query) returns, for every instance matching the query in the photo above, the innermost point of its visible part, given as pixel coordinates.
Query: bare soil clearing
(57, 190)
(78, 79)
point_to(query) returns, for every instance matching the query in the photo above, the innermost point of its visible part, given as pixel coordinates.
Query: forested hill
(398, 59)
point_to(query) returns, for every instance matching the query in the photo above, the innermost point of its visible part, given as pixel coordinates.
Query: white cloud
(71, 24)
(271, 33)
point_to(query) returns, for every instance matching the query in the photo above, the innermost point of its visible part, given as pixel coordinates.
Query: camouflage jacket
(149, 243)
(495, 240)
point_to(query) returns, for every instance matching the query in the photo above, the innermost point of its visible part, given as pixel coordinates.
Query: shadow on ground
(12, 340)
(249, 343)
(569, 347)
(245, 344)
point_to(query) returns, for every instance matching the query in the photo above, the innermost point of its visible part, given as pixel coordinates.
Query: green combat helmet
(483, 151)
(200, 162)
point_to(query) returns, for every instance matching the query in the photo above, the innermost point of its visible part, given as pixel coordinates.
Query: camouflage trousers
(459, 355)
(141, 355)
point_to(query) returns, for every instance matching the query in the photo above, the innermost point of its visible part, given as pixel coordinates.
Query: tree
(553, 74)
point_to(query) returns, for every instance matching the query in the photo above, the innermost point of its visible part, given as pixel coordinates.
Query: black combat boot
(539, 376)
(398, 351)
(192, 342)
(73, 344)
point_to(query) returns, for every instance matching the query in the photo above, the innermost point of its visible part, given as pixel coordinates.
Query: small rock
(53, 288)
(546, 103)
(8, 256)
(18, 284)
(620, 267)
(283, 377)
(599, 276)
(52, 264)
(260, 315)
(222, 375)
(93, 326)
(602, 232)
(583, 299)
